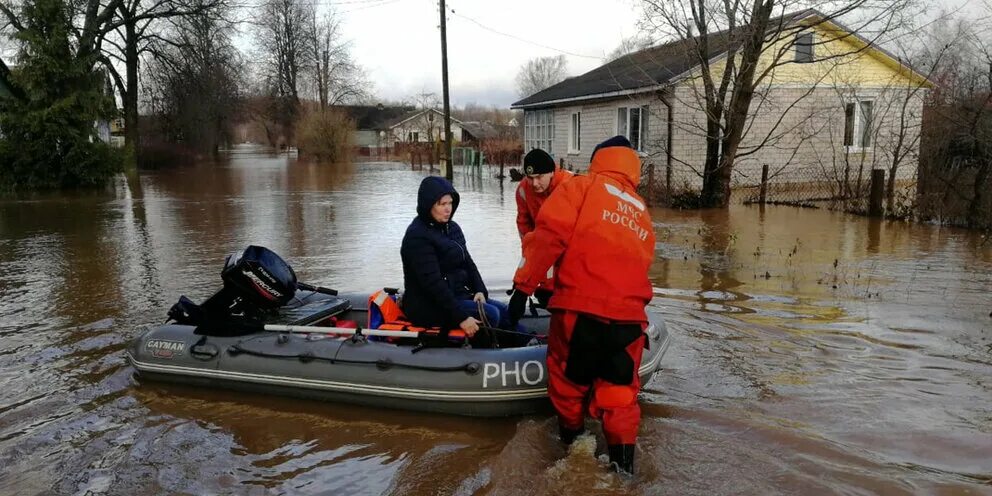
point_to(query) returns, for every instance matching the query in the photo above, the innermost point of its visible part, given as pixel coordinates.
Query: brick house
(838, 107)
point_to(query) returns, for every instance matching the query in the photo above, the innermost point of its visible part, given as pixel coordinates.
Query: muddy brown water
(813, 352)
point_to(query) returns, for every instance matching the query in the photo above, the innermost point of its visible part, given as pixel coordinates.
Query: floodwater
(813, 352)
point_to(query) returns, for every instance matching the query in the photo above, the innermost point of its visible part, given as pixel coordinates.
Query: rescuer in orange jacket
(597, 231)
(542, 176)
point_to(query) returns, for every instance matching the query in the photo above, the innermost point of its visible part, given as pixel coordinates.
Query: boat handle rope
(518, 333)
(383, 364)
(486, 326)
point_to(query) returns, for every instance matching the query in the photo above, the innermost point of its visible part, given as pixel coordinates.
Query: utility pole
(449, 172)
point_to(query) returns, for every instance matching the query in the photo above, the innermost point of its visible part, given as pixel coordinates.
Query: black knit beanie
(537, 161)
(614, 141)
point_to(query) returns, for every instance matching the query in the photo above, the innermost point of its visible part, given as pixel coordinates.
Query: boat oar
(299, 329)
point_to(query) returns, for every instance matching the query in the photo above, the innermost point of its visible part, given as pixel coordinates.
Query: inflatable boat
(311, 343)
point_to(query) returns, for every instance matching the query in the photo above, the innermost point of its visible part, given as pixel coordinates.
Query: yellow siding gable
(849, 63)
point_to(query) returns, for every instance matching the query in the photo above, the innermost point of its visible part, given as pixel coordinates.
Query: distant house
(830, 109)
(475, 131)
(423, 126)
(372, 123)
(117, 132)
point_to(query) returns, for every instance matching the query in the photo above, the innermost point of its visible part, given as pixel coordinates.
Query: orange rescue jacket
(529, 203)
(597, 231)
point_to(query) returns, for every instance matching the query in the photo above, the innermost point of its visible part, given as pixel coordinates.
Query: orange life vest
(393, 318)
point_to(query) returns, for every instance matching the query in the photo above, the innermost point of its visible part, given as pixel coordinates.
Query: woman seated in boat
(443, 287)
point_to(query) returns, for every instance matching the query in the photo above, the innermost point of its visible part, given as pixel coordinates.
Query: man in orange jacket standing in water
(597, 231)
(542, 177)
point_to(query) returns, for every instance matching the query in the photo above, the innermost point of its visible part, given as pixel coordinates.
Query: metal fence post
(877, 193)
(651, 183)
(668, 180)
(763, 195)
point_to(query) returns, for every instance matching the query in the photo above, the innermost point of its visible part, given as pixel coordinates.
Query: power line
(487, 28)
(381, 3)
(354, 5)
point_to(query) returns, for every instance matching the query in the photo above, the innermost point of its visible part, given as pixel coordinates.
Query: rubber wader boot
(622, 458)
(567, 435)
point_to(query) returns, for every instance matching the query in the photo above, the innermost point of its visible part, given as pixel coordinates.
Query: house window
(575, 132)
(857, 125)
(632, 122)
(539, 129)
(804, 48)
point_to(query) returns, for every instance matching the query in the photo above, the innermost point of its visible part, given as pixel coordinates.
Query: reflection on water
(814, 352)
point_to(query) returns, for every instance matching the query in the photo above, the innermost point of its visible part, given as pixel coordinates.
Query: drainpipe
(668, 139)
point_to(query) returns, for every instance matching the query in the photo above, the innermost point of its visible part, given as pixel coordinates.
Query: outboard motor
(256, 281)
(260, 277)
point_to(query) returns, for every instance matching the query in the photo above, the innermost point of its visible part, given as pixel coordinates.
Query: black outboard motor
(260, 277)
(256, 281)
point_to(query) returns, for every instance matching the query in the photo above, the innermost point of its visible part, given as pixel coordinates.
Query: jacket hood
(617, 161)
(432, 188)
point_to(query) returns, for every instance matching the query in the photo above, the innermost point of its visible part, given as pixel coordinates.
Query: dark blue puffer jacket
(437, 268)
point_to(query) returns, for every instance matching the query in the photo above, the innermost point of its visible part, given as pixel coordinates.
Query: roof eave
(418, 114)
(594, 96)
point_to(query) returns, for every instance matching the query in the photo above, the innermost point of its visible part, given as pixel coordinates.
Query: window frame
(575, 131)
(860, 138)
(539, 129)
(642, 124)
(807, 56)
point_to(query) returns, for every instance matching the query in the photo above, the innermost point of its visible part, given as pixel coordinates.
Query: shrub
(325, 135)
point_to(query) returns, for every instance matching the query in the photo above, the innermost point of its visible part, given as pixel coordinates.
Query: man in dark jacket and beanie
(543, 177)
(443, 287)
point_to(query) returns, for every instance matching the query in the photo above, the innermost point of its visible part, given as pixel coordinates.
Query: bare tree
(336, 77)
(481, 113)
(631, 45)
(753, 44)
(540, 73)
(139, 33)
(118, 32)
(281, 38)
(957, 136)
(429, 101)
(195, 81)
(92, 20)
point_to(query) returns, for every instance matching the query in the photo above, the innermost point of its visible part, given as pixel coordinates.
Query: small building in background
(423, 126)
(372, 133)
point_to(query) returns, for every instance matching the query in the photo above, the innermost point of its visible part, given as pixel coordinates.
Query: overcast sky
(398, 42)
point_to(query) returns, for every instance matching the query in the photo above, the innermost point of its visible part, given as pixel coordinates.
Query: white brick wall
(806, 146)
(599, 123)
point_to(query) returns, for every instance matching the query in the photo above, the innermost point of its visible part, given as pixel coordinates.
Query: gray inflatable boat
(338, 364)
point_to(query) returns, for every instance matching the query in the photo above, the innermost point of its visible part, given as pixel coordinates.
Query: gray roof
(480, 130)
(375, 117)
(646, 68)
(415, 113)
